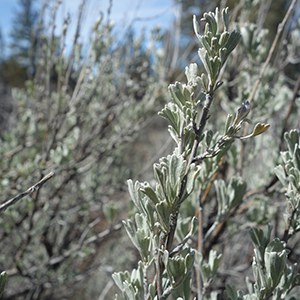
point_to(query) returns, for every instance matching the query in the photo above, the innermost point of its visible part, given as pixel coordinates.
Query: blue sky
(6, 13)
(146, 13)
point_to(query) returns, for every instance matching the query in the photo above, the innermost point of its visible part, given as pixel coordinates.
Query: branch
(272, 49)
(29, 191)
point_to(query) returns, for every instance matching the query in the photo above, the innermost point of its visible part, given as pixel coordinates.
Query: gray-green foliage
(274, 278)
(153, 228)
(288, 173)
(75, 118)
(180, 218)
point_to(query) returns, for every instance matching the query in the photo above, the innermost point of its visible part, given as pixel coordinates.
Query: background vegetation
(88, 114)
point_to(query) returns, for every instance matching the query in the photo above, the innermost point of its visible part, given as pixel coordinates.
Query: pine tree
(24, 35)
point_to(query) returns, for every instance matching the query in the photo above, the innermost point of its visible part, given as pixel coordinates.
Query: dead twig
(29, 191)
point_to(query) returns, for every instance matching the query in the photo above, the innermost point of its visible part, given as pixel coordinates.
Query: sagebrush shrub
(186, 219)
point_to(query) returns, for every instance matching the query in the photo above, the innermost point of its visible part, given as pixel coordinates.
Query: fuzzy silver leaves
(229, 196)
(191, 73)
(186, 228)
(131, 285)
(254, 40)
(141, 202)
(275, 261)
(288, 173)
(166, 197)
(216, 44)
(271, 274)
(260, 239)
(208, 268)
(234, 124)
(140, 234)
(181, 111)
(232, 127)
(273, 278)
(157, 204)
(169, 173)
(179, 267)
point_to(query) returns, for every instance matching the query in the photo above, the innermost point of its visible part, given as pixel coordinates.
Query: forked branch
(29, 191)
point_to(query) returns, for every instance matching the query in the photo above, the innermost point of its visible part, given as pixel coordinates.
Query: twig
(29, 191)
(105, 291)
(179, 247)
(272, 49)
(104, 234)
(211, 230)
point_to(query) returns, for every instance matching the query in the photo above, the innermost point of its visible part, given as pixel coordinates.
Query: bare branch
(29, 191)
